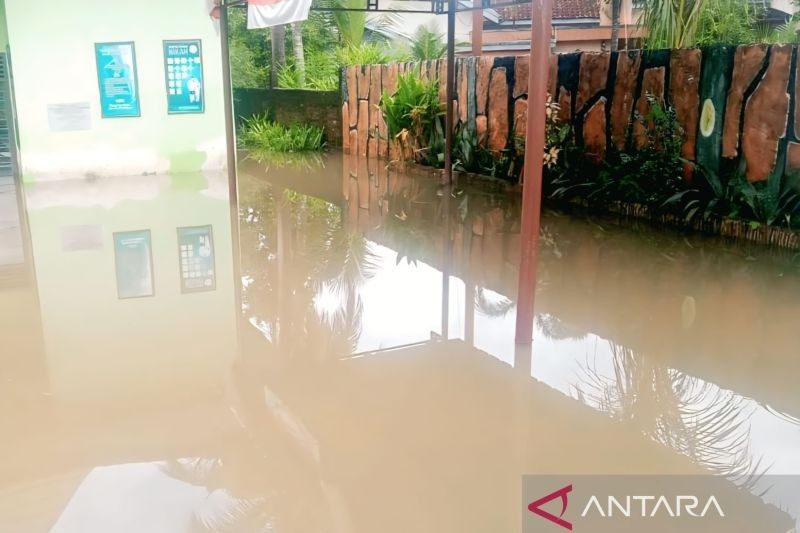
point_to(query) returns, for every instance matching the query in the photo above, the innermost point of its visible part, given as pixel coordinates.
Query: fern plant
(413, 116)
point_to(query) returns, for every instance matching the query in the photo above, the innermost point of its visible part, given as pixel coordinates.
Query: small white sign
(69, 117)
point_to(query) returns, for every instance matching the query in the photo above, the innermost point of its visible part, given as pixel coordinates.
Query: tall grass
(261, 135)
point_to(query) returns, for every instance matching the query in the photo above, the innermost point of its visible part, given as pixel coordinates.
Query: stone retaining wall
(732, 102)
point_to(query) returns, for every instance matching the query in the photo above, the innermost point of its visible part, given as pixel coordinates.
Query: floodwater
(350, 366)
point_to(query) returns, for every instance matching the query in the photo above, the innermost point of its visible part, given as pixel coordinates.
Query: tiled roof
(562, 9)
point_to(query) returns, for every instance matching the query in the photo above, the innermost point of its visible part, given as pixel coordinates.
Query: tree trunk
(299, 54)
(615, 14)
(278, 54)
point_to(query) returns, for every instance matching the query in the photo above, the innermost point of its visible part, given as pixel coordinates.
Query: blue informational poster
(116, 75)
(183, 65)
(133, 259)
(196, 249)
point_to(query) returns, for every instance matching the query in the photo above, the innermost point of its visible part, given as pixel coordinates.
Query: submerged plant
(261, 135)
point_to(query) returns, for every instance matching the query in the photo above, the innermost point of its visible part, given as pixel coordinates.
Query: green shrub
(322, 73)
(647, 175)
(414, 116)
(362, 54)
(261, 135)
(427, 43)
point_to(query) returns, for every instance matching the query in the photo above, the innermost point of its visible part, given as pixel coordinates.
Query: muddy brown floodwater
(151, 381)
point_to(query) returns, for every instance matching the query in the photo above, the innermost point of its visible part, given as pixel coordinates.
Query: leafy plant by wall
(262, 136)
(414, 117)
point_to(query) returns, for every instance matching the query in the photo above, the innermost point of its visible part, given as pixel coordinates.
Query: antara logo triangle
(536, 507)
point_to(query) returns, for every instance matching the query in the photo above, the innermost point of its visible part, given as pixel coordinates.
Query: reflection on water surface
(345, 390)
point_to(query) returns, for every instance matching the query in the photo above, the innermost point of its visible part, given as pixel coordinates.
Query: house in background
(583, 25)
(578, 25)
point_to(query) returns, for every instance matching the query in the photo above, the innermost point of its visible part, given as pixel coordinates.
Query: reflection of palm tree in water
(318, 257)
(344, 262)
(693, 417)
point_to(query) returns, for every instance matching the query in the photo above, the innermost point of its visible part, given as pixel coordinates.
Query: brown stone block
(652, 86)
(792, 157)
(483, 71)
(383, 141)
(552, 79)
(345, 128)
(498, 110)
(462, 91)
(401, 69)
(521, 75)
(746, 65)
(520, 122)
(564, 101)
(375, 84)
(624, 88)
(593, 76)
(481, 130)
(433, 72)
(766, 116)
(684, 96)
(389, 78)
(352, 94)
(353, 145)
(372, 147)
(363, 74)
(594, 131)
(443, 81)
(363, 127)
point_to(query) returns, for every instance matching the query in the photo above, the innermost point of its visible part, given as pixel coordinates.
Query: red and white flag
(268, 13)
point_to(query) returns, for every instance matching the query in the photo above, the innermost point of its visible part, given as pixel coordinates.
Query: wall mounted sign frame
(133, 262)
(196, 258)
(183, 72)
(117, 79)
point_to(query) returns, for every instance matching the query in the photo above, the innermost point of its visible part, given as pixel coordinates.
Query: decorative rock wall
(737, 105)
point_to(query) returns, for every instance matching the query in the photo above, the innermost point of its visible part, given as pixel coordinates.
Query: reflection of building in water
(134, 350)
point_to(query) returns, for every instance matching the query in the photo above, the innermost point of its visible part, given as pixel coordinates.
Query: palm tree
(670, 23)
(350, 24)
(299, 54)
(278, 54)
(427, 44)
(616, 7)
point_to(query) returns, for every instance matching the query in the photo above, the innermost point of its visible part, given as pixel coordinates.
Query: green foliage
(261, 136)
(670, 23)
(351, 24)
(469, 156)
(685, 23)
(361, 54)
(773, 202)
(727, 22)
(646, 175)
(414, 116)
(250, 52)
(427, 44)
(322, 74)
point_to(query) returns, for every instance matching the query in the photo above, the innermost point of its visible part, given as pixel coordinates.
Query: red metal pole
(541, 29)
